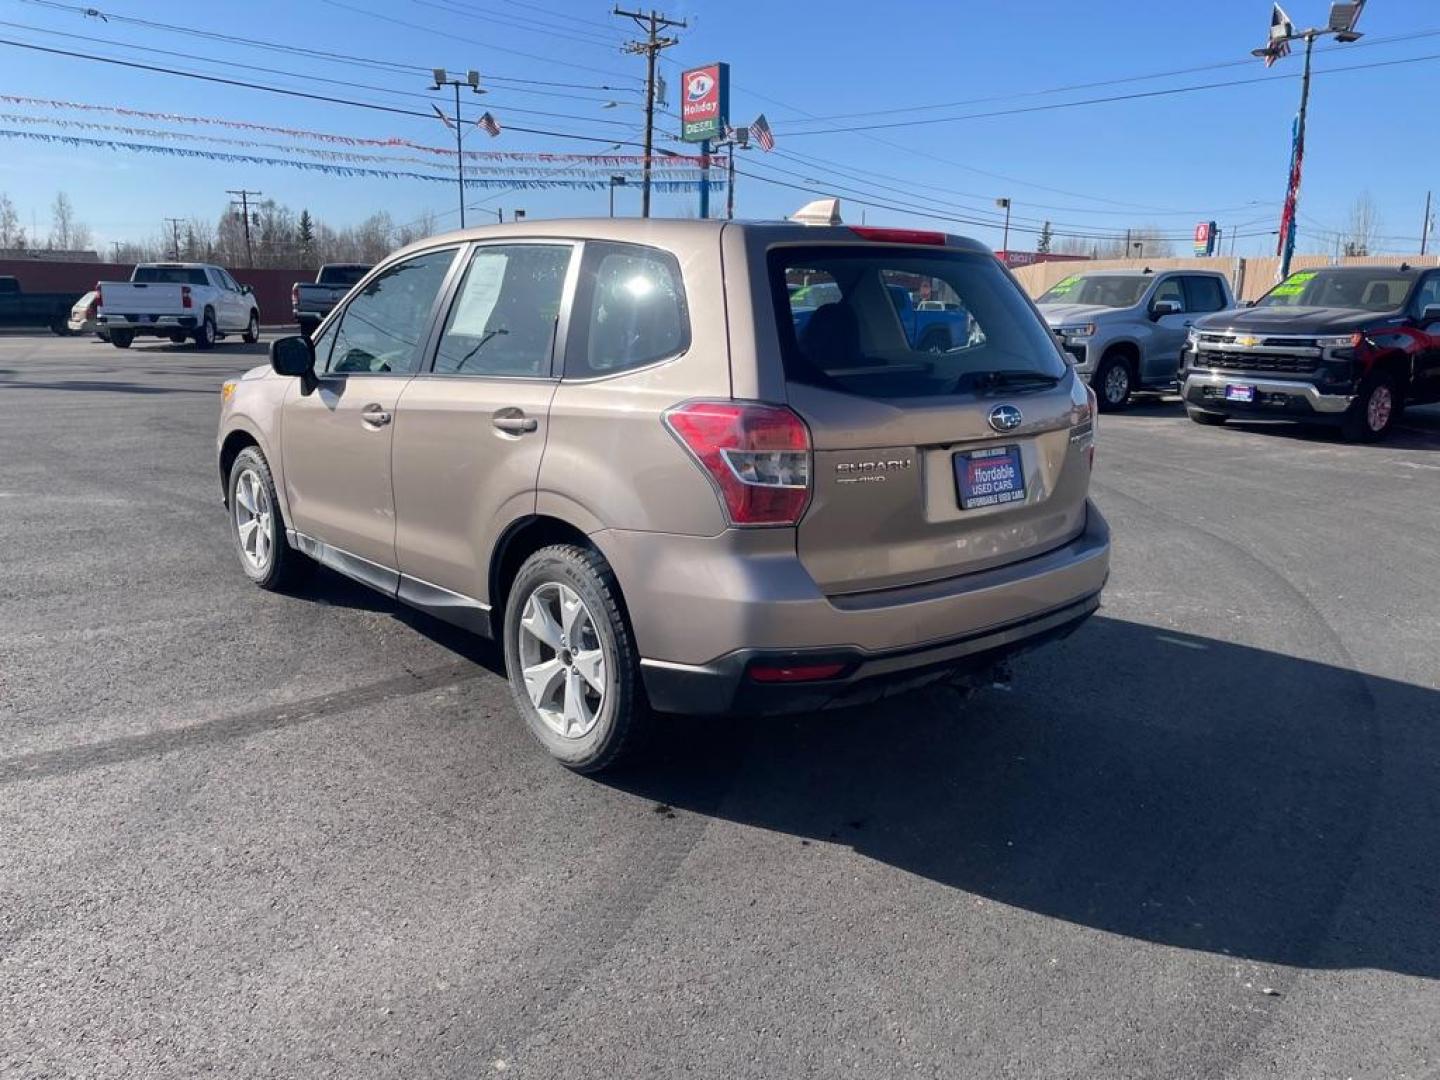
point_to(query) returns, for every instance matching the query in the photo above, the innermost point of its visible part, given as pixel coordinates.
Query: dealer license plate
(1239, 393)
(989, 477)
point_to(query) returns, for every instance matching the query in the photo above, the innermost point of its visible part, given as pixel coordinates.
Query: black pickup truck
(1349, 346)
(19, 308)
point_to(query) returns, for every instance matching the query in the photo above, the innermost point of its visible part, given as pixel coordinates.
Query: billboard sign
(1206, 233)
(705, 102)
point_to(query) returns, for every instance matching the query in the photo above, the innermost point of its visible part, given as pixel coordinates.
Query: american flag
(1281, 30)
(760, 131)
(489, 125)
(443, 118)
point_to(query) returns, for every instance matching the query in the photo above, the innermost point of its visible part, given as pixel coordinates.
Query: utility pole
(175, 230)
(245, 217)
(472, 80)
(1004, 204)
(739, 139)
(652, 23)
(1341, 24)
(1425, 225)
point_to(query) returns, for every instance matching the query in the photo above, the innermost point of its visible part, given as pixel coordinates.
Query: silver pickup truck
(1125, 329)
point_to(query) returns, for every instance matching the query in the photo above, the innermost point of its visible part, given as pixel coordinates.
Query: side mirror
(1165, 307)
(1430, 314)
(247, 290)
(294, 357)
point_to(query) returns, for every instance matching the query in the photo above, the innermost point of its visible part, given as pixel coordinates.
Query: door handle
(374, 416)
(515, 425)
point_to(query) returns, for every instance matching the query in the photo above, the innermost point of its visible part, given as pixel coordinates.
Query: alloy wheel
(1117, 384)
(254, 520)
(561, 660)
(1379, 408)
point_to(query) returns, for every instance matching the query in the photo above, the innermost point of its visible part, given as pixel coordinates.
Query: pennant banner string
(657, 160)
(523, 183)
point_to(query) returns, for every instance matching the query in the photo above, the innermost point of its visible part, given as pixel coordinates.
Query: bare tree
(1362, 227)
(12, 235)
(62, 222)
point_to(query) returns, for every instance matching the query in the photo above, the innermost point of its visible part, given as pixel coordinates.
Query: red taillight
(295, 294)
(93, 308)
(757, 456)
(787, 673)
(898, 236)
(99, 295)
(185, 300)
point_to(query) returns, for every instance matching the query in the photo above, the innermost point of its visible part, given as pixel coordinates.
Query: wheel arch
(521, 539)
(1127, 348)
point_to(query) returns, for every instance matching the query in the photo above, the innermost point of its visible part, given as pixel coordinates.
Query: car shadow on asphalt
(1418, 428)
(1172, 789)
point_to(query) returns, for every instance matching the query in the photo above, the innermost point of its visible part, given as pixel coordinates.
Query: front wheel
(1373, 412)
(257, 528)
(205, 336)
(252, 331)
(571, 659)
(1112, 383)
(121, 339)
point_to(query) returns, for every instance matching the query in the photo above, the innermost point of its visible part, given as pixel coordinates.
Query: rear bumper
(706, 609)
(160, 325)
(1277, 398)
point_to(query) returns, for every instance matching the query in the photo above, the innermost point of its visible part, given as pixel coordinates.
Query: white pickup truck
(178, 301)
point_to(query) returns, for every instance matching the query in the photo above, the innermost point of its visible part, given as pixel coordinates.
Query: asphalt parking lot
(251, 835)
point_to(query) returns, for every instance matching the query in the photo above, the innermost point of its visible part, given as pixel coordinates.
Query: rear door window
(630, 311)
(1205, 294)
(844, 324)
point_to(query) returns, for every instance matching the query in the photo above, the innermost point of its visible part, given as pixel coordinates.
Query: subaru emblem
(1005, 418)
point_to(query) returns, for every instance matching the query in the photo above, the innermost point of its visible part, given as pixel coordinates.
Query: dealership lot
(261, 835)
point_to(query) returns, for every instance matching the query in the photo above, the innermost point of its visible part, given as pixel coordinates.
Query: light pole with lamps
(1004, 204)
(472, 80)
(615, 181)
(1343, 17)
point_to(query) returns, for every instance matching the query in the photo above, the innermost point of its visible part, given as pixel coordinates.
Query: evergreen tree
(305, 234)
(1047, 236)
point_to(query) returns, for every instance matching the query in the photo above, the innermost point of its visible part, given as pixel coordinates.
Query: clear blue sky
(1167, 160)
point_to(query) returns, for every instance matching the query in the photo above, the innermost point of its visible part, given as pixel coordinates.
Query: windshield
(1377, 290)
(168, 275)
(1100, 290)
(844, 325)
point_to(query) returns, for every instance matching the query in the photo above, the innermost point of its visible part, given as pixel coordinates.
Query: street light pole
(615, 181)
(1343, 16)
(1005, 243)
(472, 80)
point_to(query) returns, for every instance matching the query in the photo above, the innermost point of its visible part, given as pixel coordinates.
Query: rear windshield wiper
(1017, 377)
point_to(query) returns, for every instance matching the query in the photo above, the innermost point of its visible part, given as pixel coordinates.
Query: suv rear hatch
(926, 465)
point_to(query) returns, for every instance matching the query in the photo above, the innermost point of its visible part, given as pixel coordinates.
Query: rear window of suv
(845, 323)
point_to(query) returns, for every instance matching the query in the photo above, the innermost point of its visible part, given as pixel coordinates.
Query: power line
(319, 54)
(329, 99)
(1138, 95)
(520, 23)
(449, 36)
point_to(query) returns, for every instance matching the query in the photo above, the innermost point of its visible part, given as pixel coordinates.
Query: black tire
(285, 567)
(252, 329)
(205, 334)
(121, 339)
(936, 341)
(1113, 382)
(1373, 412)
(622, 714)
(60, 327)
(1210, 419)
(178, 339)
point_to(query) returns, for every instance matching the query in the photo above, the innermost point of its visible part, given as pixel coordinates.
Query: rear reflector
(757, 456)
(792, 673)
(898, 236)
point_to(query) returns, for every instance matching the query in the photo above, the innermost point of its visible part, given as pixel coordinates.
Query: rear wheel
(121, 338)
(1373, 412)
(1212, 419)
(571, 658)
(257, 528)
(205, 335)
(60, 327)
(1112, 383)
(252, 330)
